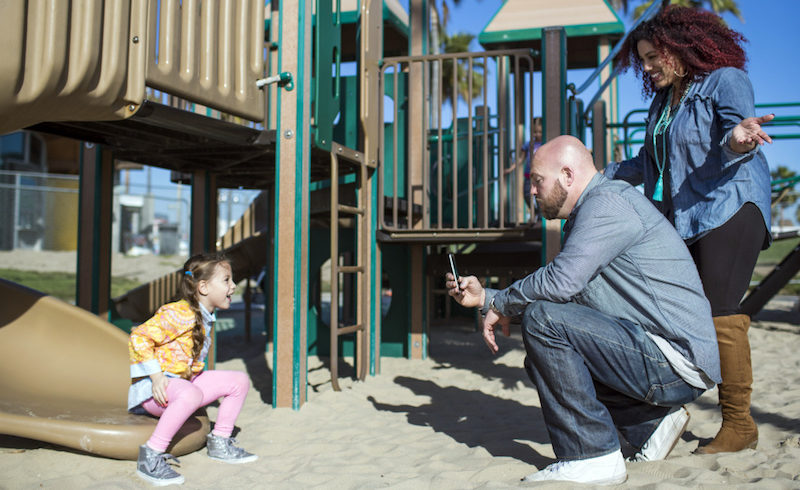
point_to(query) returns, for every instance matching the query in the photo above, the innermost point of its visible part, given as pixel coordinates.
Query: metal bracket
(284, 79)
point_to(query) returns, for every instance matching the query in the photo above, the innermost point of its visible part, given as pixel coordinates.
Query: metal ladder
(360, 268)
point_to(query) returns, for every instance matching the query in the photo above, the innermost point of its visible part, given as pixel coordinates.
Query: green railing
(632, 128)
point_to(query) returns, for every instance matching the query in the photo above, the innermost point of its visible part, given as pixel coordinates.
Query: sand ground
(459, 419)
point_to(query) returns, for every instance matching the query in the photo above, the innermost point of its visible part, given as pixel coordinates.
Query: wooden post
(369, 70)
(292, 175)
(417, 338)
(418, 18)
(599, 152)
(610, 96)
(554, 109)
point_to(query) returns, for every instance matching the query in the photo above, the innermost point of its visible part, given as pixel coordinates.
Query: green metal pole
(93, 279)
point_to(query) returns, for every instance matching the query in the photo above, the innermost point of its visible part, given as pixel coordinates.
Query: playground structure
(228, 95)
(186, 86)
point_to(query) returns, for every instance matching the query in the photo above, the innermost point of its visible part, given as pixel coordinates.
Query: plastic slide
(64, 377)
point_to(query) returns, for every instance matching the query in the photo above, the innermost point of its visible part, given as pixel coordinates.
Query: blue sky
(770, 26)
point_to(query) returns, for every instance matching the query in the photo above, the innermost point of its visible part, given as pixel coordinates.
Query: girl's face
(217, 291)
(663, 69)
(537, 130)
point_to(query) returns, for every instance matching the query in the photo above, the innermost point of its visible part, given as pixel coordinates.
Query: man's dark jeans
(597, 375)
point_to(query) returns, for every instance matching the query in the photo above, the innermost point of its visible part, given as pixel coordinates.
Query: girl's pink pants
(185, 397)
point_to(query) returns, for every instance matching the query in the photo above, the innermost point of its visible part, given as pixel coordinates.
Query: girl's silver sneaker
(224, 449)
(153, 467)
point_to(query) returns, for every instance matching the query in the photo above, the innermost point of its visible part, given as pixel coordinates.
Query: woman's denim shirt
(709, 182)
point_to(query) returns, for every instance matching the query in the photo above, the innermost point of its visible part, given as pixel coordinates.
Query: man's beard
(550, 205)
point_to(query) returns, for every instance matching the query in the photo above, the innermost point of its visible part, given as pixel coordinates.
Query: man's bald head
(560, 171)
(565, 150)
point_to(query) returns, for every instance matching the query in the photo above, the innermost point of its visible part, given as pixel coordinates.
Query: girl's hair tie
(188, 273)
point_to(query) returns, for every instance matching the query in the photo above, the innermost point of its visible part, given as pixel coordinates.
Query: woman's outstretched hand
(748, 134)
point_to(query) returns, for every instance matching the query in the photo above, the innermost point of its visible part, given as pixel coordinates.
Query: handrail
(465, 181)
(778, 104)
(603, 87)
(789, 181)
(779, 121)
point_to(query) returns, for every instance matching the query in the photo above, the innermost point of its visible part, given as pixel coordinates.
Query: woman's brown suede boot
(738, 430)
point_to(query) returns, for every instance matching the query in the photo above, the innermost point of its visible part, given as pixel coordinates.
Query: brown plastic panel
(209, 52)
(70, 60)
(64, 377)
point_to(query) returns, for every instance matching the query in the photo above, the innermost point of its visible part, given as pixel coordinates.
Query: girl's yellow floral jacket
(164, 343)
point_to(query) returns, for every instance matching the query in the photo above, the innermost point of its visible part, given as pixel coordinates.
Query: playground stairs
(360, 268)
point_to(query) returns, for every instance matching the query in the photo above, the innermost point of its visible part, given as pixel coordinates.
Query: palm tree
(440, 16)
(786, 197)
(718, 6)
(441, 42)
(457, 70)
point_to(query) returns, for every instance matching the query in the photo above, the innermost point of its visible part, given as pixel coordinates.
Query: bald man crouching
(617, 330)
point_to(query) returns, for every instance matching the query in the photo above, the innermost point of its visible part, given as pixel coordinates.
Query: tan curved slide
(64, 377)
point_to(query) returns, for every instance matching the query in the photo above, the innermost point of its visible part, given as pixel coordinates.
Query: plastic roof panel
(519, 24)
(518, 20)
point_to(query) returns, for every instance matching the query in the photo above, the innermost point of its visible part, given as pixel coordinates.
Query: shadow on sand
(474, 419)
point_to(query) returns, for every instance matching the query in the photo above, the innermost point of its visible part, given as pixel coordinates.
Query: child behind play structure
(168, 354)
(528, 149)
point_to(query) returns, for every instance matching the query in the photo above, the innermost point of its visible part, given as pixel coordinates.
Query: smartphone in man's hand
(454, 269)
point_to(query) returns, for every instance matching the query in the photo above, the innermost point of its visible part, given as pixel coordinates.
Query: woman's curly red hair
(698, 38)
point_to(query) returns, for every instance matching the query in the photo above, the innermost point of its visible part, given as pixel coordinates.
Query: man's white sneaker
(602, 470)
(664, 438)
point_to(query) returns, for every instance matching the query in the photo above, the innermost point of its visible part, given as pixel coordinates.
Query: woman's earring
(678, 74)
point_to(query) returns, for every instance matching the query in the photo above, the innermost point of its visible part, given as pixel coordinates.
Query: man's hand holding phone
(469, 292)
(466, 290)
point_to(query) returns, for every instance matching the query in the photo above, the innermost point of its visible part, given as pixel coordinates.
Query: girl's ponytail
(198, 268)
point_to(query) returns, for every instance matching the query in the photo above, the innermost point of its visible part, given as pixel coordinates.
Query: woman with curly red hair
(701, 166)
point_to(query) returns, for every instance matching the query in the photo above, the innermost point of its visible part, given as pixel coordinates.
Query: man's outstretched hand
(470, 293)
(490, 325)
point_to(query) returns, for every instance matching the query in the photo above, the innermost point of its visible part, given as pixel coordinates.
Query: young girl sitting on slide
(168, 355)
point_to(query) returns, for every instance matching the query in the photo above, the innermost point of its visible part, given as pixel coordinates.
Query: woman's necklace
(661, 129)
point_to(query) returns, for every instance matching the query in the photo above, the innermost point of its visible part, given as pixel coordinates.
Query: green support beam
(93, 282)
(203, 229)
(203, 221)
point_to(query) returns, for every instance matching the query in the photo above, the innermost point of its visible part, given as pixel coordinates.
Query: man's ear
(569, 176)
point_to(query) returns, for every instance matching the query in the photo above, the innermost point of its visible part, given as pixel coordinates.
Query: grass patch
(788, 290)
(60, 284)
(772, 257)
(777, 251)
